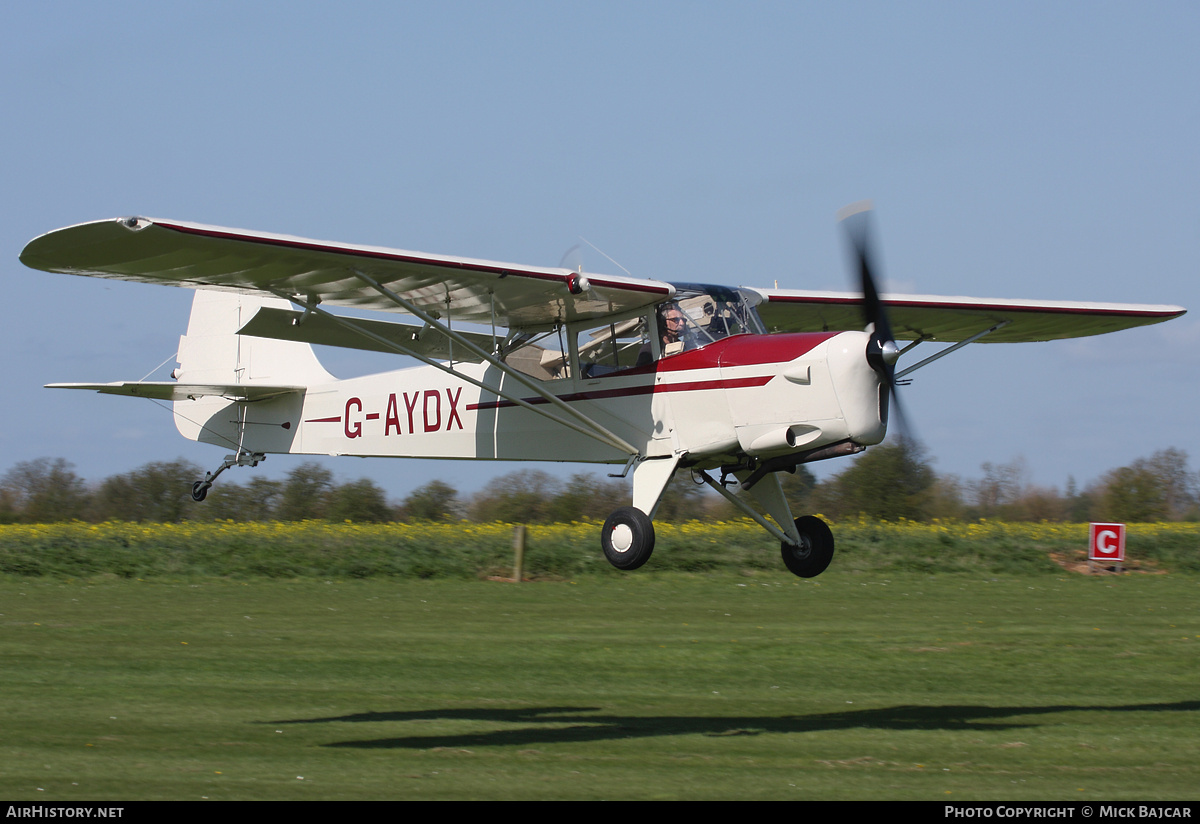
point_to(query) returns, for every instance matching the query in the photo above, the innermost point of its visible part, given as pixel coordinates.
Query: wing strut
(950, 349)
(596, 430)
(590, 428)
(787, 535)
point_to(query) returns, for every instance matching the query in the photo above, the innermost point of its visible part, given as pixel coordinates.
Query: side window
(540, 356)
(613, 347)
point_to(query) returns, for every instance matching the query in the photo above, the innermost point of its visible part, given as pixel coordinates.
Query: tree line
(890, 482)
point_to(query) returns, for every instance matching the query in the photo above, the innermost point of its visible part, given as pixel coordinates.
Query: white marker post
(518, 552)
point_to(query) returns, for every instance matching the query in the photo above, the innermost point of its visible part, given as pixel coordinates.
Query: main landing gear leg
(806, 543)
(200, 488)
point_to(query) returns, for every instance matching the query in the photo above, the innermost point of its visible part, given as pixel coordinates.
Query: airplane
(544, 364)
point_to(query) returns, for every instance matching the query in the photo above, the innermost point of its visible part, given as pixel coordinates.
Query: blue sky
(1016, 150)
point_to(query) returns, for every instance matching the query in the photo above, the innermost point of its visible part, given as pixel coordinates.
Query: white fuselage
(758, 395)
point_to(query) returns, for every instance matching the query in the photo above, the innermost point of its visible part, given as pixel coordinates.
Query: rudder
(213, 353)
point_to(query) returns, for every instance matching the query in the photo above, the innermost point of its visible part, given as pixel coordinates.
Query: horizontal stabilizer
(285, 324)
(172, 391)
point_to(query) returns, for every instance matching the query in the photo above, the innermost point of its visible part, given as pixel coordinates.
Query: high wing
(462, 289)
(954, 319)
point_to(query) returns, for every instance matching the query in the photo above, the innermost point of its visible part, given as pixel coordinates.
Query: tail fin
(213, 352)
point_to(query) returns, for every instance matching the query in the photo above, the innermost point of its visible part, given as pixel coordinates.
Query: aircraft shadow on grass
(550, 725)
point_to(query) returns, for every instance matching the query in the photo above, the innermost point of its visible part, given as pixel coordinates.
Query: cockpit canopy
(698, 314)
(713, 312)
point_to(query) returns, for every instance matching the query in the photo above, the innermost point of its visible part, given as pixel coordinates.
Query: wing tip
(54, 251)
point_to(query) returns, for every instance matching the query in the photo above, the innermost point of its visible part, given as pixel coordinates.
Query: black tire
(627, 538)
(815, 552)
(199, 491)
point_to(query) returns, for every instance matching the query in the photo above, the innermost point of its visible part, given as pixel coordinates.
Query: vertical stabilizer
(212, 352)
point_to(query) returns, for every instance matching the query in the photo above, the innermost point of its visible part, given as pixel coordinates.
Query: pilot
(672, 325)
(672, 328)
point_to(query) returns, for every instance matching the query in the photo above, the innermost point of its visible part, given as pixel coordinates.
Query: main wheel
(199, 491)
(815, 551)
(627, 538)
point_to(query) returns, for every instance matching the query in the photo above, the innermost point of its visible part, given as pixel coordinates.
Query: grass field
(675, 685)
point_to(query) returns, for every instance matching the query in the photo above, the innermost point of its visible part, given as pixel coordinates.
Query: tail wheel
(627, 538)
(815, 552)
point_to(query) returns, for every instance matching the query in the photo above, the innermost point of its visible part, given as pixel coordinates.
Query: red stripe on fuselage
(749, 350)
(628, 391)
(739, 350)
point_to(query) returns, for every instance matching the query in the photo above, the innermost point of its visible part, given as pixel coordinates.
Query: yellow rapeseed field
(421, 532)
(320, 548)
